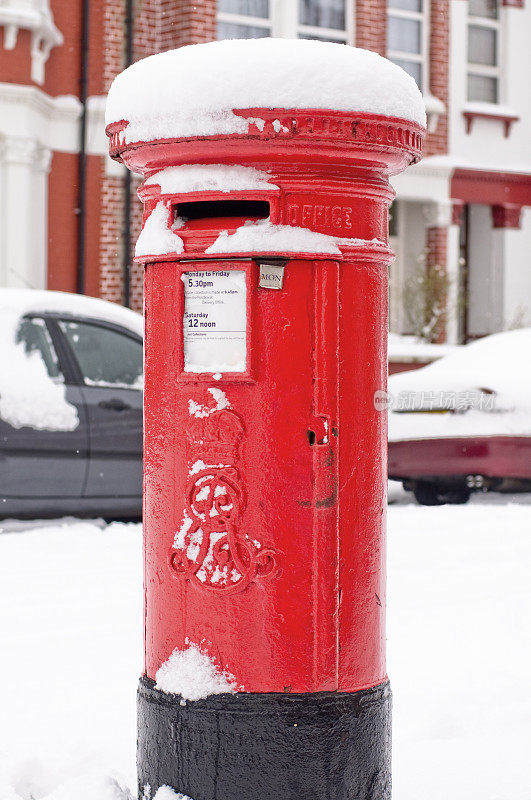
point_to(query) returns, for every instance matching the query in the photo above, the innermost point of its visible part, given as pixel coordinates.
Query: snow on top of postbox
(192, 91)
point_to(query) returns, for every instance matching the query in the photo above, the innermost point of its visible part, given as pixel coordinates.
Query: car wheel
(436, 494)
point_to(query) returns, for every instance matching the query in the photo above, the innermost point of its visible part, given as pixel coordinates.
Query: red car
(463, 423)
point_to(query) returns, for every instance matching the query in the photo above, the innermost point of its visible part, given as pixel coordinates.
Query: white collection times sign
(215, 321)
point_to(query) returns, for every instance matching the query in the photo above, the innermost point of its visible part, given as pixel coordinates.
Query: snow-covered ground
(459, 648)
(70, 632)
(459, 652)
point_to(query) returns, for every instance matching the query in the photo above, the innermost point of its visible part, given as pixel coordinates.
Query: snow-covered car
(463, 423)
(71, 389)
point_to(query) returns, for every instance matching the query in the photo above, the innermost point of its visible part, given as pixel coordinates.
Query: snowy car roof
(497, 362)
(488, 379)
(26, 301)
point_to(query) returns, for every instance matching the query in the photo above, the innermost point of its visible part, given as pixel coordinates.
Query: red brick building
(64, 206)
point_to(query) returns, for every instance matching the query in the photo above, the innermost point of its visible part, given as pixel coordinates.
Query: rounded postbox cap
(195, 91)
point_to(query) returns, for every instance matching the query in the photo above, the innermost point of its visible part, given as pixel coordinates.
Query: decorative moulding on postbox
(498, 113)
(36, 17)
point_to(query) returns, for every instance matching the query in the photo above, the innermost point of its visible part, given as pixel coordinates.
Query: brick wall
(147, 22)
(113, 40)
(111, 241)
(112, 188)
(436, 252)
(439, 42)
(62, 222)
(136, 270)
(184, 22)
(371, 25)
(158, 25)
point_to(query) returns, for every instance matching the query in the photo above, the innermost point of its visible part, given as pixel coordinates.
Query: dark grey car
(96, 468)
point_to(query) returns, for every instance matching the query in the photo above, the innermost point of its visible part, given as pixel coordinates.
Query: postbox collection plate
(215, 301)
(215, 321)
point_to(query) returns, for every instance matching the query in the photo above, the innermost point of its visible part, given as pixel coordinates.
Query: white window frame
(248, 21)
(283, 22)
(486, 70)
(417, 58)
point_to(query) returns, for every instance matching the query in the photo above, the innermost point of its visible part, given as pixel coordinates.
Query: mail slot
(208, 209)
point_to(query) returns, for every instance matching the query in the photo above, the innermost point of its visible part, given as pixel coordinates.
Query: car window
(105, 356)
(33, 334)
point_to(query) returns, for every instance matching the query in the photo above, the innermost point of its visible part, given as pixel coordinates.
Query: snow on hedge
(210, 178)
(192, 91)
(193, 675)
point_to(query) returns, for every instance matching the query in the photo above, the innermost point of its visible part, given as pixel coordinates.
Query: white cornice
(35, 16)
(26, 152)
(426, 181)
(29, 113)
(65, 106)
(432, 167)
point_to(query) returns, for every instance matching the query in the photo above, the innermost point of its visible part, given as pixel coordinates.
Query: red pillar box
(266, 195)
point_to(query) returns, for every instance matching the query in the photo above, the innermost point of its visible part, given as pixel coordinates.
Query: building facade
(461, 223)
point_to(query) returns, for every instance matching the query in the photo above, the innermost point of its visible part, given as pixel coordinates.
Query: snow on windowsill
(210, 178)
(448, 163)
(490, 109)
(505, 114)
(194, 90)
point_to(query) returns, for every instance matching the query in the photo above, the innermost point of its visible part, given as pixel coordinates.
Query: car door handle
(114, 404)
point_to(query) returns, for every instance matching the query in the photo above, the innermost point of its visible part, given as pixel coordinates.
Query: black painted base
(322, 746)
